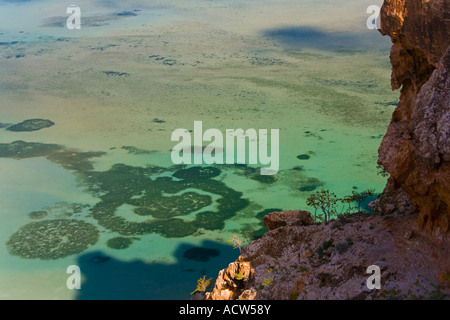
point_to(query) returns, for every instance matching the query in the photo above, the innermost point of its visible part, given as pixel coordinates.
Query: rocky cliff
(408, 239)
(303, 260)
(416, 148)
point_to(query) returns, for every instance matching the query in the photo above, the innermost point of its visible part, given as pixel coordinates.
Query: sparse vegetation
(240, 276)
(359, 197)
(325, 279)
(424, 293)
(382, 171)
(342, 247)
(325, 246)
(202, 285)
(435, 294)
(237, 244)
(347, 200)
(267, 281)
(293, 295)
(325, 201)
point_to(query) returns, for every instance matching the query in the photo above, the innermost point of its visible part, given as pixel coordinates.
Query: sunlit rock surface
(416, 148)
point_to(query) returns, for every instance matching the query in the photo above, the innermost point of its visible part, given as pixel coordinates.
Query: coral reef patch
(31, 125)
(52, 239)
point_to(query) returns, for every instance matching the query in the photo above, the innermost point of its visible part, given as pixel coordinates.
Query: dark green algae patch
(36, 215)
(31, 125)
(69, 159)
(164, 199)
(168, 207)
(127, 185)
(52, 239)
(119, 243)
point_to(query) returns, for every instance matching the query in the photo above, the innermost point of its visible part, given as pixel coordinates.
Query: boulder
(275, 220)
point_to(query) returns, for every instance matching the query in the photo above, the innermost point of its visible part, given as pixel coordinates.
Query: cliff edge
(416, 148)
(302, 260)
(408, 237)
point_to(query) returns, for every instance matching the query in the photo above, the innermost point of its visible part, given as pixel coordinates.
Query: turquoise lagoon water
(99, 190)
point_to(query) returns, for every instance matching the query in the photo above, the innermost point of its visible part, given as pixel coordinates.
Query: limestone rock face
(330, 261)
(297, 259)
(415, 150)
(275, 220)
(424, 24)
(231, 281)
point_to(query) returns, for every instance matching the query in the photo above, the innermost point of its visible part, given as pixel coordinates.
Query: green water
(98, 188)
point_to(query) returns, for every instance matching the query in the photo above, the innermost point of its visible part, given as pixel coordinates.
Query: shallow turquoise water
(323, 83)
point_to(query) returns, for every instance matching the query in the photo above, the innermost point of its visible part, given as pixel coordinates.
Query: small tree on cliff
(202, 285)
(359, 197)
(325, 201)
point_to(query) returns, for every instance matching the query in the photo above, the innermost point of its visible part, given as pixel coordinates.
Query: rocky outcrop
(231, 282)
(330, 261)
(416, 148)
(276, 220)
(298, 260)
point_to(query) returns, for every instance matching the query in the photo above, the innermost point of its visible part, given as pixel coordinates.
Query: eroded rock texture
(416, 148)
(330, 261)
(275, 219)
(299, 260)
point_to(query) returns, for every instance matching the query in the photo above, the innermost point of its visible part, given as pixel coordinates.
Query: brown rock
(276, 219)
(416, 148)
(231, 281)
(424, 23)
(298, 259)
(291, 262)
